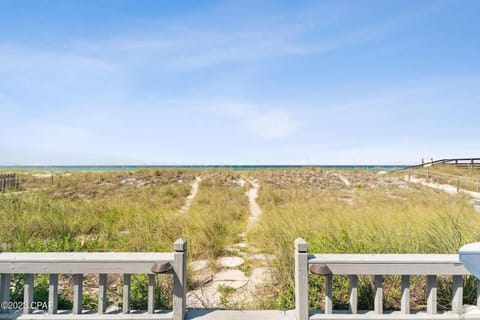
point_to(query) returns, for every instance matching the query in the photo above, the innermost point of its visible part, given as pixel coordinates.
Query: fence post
(301, 279)
(179, 278)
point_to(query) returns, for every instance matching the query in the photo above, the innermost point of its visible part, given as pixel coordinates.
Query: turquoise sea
(198, 167)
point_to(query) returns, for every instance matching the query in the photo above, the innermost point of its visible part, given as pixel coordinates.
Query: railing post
(179, 278)
(301, 279)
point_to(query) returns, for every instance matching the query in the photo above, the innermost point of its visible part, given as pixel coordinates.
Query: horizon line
(202, 165)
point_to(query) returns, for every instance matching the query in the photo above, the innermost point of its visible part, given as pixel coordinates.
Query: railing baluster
(4, 292)
(405, 301)
(126, 293)
(478, 293)
(432, 294)
(151, 293)
(378, 303)
(53, 293)
(457, 299)
(28, 293)
(77, 293)
(328, 293)
(102, 293)
(353, 301)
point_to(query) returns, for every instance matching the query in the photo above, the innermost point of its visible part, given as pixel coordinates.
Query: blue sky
(225, 82)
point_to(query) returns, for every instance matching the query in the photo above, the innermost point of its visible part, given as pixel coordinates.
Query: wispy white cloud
(191, 46)
(273, 124)
(259, 121)
(86, 64)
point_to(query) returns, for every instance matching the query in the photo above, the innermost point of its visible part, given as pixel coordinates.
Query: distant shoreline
(92, 168)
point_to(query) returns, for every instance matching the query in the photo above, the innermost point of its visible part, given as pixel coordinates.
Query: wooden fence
(9, 181)
(461, 182)
(460, 162)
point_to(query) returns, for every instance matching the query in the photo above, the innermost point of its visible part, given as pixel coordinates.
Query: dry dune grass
(140, 211)
(374, 215)
(217, 215)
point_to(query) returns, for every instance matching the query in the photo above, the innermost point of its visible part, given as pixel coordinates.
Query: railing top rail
(384, 258)
(71, 263)
(84, 257)
(390, 264)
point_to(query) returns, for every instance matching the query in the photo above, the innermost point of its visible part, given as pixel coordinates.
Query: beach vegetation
(378, 215)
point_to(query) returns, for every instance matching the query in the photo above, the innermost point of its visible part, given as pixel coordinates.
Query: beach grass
(141, 211)
(217, 215)
(112, 211)
(67, 219)
(364, 218)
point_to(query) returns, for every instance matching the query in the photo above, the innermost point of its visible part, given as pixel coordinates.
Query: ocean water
(198, 167)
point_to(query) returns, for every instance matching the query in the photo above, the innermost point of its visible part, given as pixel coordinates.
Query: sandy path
(342, 178)
(229, 270)
(191, 196)
(255, 210)
(445, 187)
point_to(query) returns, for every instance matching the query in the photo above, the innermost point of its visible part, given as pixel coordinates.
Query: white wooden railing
(103, 264)
(326, 265)
(378, 265)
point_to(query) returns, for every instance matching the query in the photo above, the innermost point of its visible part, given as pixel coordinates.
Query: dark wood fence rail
(9, 181)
